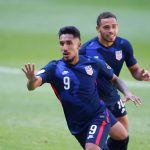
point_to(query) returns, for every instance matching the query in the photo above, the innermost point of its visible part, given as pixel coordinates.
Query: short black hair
(104, 15)
(70, 30)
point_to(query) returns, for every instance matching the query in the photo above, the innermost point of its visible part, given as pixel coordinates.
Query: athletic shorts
(112, 118)
(96, 132)
(118, 109)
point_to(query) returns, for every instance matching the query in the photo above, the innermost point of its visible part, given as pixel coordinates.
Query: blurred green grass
(28, 33)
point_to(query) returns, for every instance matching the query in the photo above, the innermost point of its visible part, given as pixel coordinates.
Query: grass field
(28, 33)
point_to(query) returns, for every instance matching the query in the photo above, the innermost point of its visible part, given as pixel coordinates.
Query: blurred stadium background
(28, 33)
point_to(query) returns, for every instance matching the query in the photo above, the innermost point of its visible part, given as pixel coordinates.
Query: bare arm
(33, 80)
(139, 73)
(120, 85)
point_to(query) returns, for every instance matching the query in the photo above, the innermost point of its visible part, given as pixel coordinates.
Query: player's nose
(64, 51)
(65, 47)
(111, 30)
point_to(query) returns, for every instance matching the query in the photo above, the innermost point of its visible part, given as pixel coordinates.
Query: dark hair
(104, 15)
(69, 30)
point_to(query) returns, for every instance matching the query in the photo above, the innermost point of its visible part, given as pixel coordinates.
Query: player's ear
(97, 28)
(79, 45)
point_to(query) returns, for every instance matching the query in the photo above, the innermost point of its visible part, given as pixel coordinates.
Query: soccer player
(73, 79)
(115, 51)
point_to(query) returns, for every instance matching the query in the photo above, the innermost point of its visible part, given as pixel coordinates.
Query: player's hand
(130, 97)
(29, 71)
(145, 75)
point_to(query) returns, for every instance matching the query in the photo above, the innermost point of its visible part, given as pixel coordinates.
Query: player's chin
(111, 39)
(66, 58)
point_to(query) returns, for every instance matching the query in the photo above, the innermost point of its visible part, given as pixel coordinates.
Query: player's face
(69, 46)
(108, 29)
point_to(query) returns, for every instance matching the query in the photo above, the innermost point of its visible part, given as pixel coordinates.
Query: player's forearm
(121, 86)
(136, 72)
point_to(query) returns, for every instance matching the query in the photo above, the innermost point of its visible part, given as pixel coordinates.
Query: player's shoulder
(125, 45)
(89, 43)
(52, 64)
(84, 59)
(122, 41)
(97, 63)
(91, 59)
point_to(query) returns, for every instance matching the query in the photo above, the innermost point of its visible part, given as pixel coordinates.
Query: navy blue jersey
(121, 51)
(75, 86)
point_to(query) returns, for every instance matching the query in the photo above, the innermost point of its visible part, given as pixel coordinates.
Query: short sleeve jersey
(121, 51)
(75, 87)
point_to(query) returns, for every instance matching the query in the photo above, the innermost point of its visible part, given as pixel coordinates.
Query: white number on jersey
(93, 129)
(66, 81)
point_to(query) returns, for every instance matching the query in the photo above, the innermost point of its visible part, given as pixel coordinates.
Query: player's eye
(114, 26)
(61, 43)
(106, 27)
(68, 42)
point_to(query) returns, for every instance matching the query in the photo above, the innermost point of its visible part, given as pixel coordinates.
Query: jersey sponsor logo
(96, 57)
(89, 70)
(65, 72)
(108, 67)
(90, 137)
(102, 116)
(118, 55)
(40, 72)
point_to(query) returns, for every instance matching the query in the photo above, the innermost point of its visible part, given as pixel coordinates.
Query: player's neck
(74, 61)
(104, 42)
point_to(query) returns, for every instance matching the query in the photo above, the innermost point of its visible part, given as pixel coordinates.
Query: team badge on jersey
(118, 55)
(89, 70)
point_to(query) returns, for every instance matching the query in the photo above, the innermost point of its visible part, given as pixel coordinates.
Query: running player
(73, 79)
(115, 51)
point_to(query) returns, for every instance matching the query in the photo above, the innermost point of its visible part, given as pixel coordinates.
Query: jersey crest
(89, 70)
(118, 55)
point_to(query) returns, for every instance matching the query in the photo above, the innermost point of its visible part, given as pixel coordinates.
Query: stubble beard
(69, 60)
